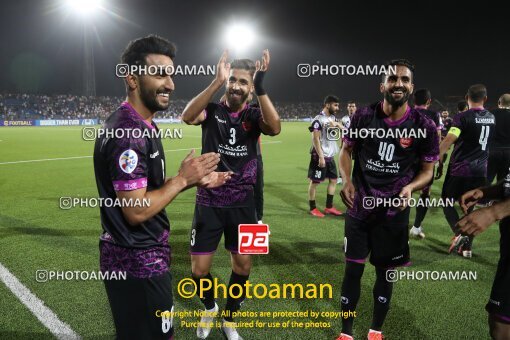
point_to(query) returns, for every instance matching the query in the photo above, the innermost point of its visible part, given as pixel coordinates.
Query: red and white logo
(406, 142)
(253, 239)
(247, 126)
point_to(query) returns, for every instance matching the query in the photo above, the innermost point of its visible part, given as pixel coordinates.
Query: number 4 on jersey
(484, 136)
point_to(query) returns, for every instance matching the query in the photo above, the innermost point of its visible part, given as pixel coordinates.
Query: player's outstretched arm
(345, 166)
(270, 124)
(443, 149)
(446, 144)
(191, 172)
(470, 198)
(194, 113)
(479, 220)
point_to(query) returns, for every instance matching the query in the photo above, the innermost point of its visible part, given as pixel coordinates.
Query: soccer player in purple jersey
(385, 167)
(135, 238)
(472, 132)
(422, 100)
(231, 128)
(478, 221)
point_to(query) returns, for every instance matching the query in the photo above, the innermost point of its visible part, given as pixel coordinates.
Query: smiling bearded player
(135, 238)
(231, 128)
(385, 167)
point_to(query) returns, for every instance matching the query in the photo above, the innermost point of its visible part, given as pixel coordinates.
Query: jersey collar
(390, 122)
(234, 114)
(135, 113)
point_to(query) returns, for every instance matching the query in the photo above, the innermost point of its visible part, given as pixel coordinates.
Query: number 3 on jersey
(386, 151)
(232, 139)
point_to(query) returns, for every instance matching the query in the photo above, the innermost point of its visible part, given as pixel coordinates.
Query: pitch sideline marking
(50, 320)
(80, 157)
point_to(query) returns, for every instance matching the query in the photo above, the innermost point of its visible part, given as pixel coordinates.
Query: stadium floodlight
(84, 7)
(239, 37)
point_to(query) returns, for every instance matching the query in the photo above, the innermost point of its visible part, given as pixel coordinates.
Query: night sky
(452, 48)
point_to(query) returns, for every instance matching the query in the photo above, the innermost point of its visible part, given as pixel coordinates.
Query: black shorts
(385, 239)
(136, 302)
(317, 174)
(210, 223)
(455, 186)
(499, 301)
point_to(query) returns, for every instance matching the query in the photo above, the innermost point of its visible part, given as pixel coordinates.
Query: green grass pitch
(35, 234)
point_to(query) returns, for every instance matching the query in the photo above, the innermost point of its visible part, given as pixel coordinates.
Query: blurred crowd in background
(30, 106)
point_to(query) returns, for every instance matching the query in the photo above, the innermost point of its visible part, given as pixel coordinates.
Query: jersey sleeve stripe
(433, 158)
(128, 185)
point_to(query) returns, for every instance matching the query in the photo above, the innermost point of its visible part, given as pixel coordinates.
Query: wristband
(257, 83)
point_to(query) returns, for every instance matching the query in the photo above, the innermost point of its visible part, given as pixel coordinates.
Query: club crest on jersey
(128, 161)
(246, 126)
(406, 142)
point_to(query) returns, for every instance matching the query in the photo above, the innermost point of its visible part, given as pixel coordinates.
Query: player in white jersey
(325, 135)
(346, 120)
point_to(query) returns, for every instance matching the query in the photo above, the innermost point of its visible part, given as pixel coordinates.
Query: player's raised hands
(223, 68)
(192, 169)
(263, 64)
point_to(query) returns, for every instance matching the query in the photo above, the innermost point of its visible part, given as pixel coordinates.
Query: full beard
(234, 101)
(396, 102)
(150, 100)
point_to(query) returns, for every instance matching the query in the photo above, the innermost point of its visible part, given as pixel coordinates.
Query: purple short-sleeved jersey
(384, 162)
(471, 152)
(124, 164)
(433, 115)
(234, 135)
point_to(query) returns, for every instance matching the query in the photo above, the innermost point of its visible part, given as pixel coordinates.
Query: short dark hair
(243, 64)
(398, 62)
(422, 96)
(138, 49)
(462, 106)
(331, 99)
(351, 102)
(477, 93)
